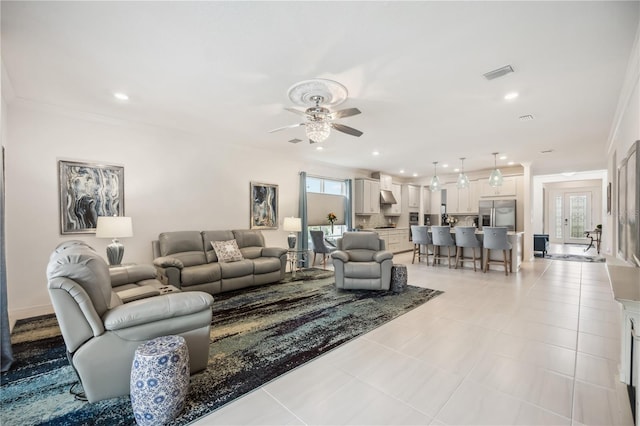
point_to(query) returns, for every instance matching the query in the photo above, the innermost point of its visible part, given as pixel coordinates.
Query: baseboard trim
(30, 312)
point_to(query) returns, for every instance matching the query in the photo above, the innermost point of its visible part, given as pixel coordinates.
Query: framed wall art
(88, 190)
(264, 206)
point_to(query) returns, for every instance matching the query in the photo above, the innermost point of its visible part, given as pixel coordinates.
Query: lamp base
(291, 239)
(115, 252)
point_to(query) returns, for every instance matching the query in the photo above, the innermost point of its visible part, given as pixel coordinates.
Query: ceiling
(414, 69)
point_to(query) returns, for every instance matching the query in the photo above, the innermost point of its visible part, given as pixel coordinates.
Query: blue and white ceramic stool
(159, 380)
(398, 278)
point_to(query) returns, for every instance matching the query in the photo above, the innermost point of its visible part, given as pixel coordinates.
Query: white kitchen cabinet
(452, 198)
(426, 200)
(435, 201)
(394, 209)
(414, 196)
(468, 198)
(507, 189)
(395, 240)
(386, 182)
(367, 196)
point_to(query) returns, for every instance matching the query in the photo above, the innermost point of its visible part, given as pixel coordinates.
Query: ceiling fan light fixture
(318, 131)
(495, 178)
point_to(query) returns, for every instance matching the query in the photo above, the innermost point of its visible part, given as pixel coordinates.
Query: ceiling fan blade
(297, 111)
(348, 112)
(291, 126)
(346, 129)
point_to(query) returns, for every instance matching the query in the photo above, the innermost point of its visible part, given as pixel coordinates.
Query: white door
(569, 217)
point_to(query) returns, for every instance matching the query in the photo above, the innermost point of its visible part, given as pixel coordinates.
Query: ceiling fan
(320, 120)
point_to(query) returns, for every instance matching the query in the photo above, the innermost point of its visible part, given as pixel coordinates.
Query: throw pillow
(227, 251)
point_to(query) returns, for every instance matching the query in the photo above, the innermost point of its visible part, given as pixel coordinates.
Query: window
(325, 196)
(326, 186)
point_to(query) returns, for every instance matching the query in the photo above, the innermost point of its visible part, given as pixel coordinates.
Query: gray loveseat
(187, 260)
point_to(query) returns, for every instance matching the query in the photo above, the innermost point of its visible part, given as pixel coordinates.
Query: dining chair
(420, 237)
(319, 246)
(441, 236)
(495, 238)
(466, 238)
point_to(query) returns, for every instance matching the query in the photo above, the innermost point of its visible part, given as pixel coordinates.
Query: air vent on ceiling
(527, 117)
(546, 151)
(295, 140)
(498, 72)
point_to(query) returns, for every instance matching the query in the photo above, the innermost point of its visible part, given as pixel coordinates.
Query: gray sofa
(187, 260)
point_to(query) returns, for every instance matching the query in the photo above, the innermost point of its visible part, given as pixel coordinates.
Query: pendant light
(463, 180)
(495, 178)
(435, 181)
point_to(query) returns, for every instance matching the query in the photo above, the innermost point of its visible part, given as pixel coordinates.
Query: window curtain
(348, 211)
(302, 213)
(7, 352)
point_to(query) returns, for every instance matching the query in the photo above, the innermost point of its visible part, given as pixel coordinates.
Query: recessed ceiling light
(401, 171)
(415, 175)
(121, 96)
(375, 153)
(319, 148)
(456, 170)
(511, 96)
(511, 163)
(503, 157)
(444, 166)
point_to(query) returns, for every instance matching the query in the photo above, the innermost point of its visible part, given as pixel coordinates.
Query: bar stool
(495, 238)
(441, 236)
(466, 237)
(420, 237)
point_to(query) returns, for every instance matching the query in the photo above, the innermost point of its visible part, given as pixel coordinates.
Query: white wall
(625, 130)
(173, 181)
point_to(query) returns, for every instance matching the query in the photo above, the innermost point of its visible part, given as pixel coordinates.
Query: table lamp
(292, 224)
(114, 227)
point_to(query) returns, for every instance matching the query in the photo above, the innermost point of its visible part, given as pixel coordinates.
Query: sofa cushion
(251, 252)
(236, 269)
(362, 269)
(264, 265)
(209, 236)
(185, 246)
(227, 251)
(248, 238)
(200, 274)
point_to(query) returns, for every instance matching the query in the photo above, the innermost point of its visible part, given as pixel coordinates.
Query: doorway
(570, 216)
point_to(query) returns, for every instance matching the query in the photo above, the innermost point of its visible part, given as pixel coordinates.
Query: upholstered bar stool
(466, 237)
(441, 236)
(495, 238)
(420, 237)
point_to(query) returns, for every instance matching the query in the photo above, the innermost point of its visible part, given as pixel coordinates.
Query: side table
(296, 258)
(159, 380)
(398, 278)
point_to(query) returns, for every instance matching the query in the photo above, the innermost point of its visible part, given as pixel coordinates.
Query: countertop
(625, 283)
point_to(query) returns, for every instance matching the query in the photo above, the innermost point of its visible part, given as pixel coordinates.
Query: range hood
(386, 197)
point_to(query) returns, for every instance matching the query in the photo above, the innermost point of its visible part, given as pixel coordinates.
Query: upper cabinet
(367, 196)
(414, 196)
(507, 189)
(452, 197)
(394, 209)
(386, 182)
(426, 200)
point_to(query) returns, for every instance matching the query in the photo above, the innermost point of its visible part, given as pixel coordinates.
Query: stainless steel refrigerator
(497, 213)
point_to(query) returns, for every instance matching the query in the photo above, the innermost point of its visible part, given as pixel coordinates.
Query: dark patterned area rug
(575, 257)
(257, 335)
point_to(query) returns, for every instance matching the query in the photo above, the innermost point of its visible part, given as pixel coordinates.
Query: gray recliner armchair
(101, 332)
(361, 262)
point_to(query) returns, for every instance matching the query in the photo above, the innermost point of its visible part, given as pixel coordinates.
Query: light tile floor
(540, 347)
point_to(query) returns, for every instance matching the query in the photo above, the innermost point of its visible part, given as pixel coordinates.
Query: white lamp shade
(292, 224)
(114, 227)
